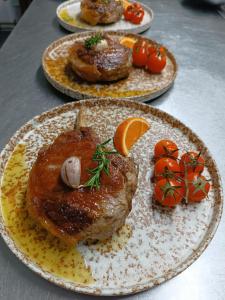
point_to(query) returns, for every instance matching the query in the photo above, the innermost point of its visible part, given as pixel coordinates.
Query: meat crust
(112, 62)
(79, 214)
(101, 11)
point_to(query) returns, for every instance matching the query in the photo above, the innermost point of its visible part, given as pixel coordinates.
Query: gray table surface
(197, 39)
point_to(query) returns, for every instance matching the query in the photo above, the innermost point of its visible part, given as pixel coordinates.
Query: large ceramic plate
(68, 16)
(154, 245)
(140, 85)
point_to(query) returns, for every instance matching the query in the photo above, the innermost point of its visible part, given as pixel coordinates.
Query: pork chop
(84, 213)
(106, 61)
(101, 11)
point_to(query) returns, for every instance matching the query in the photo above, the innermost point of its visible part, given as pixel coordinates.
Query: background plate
(68, 16)
(139, 86)
(155, 244)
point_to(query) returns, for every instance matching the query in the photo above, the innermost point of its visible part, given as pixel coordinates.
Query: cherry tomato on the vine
(134, 13)
(156, 62)
(137, 17)
(196, 187)
(166, 168)
(192, 162)
(151, 48)
(166, 148)
(128, 13)
(168, 192)
(140, 54)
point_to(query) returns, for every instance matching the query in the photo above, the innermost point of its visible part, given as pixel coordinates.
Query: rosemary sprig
(101, 157)
(93, 40)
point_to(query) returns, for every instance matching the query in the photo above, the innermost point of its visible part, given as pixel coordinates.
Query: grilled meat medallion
(84, 213)
(101, 11)
(106, 61)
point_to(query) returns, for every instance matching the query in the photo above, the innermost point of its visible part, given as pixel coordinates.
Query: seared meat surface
(106, 61)
(84, 213)
(101, 11)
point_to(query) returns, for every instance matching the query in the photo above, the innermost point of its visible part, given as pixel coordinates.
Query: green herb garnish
(100, 156)
(94, 40)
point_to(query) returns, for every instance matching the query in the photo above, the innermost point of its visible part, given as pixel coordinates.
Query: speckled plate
(68, 16)
(154, 245)
(139, 86)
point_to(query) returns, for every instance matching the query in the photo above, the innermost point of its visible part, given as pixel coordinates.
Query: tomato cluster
(148, 55)
(134, 13)
(176, 179)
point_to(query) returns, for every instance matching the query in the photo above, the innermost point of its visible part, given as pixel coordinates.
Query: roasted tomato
(151, 48)
(192, 162)
(140, 54)
(138, 17)
(134, 13)
(128, 13)
(166, 168)
(166, 148)
(196, 187)
(169, 192)
(156, 62)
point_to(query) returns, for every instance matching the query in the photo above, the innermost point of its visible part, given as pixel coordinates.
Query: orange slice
(128, 42)
(128, 132)
(125, 4)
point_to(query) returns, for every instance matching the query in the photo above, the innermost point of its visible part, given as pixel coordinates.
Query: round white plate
(68, 16)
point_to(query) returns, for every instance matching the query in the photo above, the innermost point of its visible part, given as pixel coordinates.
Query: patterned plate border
(85, 95)
(6, 152)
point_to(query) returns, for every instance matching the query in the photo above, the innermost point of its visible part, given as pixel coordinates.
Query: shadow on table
(160, 99)
(201, 5)
(48, 88)
(56, 24)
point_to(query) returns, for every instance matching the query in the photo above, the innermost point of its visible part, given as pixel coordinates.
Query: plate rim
(85, 289)
(72, 28)
(75, 94)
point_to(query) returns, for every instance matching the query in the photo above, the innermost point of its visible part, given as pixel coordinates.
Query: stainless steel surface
(221, 10)
(197, 39)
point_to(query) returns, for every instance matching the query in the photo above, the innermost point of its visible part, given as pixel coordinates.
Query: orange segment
(125, 4)
(128, 42)
(128, 132)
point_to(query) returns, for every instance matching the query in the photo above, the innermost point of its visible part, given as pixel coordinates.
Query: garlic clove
(102, 45)
(71, 172)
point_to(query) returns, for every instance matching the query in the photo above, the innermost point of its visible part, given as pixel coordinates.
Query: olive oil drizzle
(48, 252)
(64, 15)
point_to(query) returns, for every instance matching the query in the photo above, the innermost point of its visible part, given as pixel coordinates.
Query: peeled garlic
(71, 172)
(103, 44)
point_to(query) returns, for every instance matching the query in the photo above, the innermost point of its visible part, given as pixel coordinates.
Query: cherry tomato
(192, 162)
(166, 148)
(162, 50)
(140, 54)
(137, 6)
(128, 13)
(151, 48)
(134, 13)
(197, 187)
(156, 62)
(166, 168)
(169, 192)
(137, 17)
